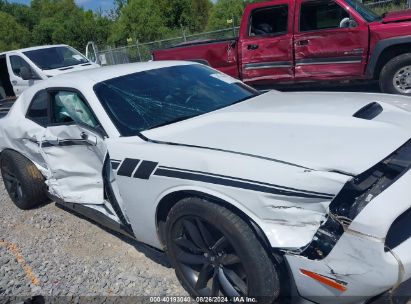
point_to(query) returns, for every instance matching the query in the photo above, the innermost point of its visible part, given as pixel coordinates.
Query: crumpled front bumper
(360, 261)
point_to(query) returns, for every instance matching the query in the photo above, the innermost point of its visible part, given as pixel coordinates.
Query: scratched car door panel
(75, 165)
(328, 41)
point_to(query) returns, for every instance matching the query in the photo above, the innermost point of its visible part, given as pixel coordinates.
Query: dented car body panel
(297, 48)
(323, 176)
(361, 255)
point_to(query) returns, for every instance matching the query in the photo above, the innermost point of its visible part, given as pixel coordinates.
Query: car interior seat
(263, 29)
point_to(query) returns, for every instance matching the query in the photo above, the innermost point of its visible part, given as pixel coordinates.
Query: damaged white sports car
(261, 195)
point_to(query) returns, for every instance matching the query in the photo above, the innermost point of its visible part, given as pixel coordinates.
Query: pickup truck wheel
(22, 180)
(215, 253)
(395, 77)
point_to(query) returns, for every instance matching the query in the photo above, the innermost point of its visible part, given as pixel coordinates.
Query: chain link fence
(139, 52)
(382, 6)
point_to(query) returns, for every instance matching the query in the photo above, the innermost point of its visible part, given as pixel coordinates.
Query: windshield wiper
(62, 66)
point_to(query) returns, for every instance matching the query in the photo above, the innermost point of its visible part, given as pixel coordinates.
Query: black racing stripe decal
(127, 167)
(145, 169)
(325, 195)
(232, 183)
(115, 165)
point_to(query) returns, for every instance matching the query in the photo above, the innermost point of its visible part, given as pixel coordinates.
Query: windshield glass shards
(154, 98)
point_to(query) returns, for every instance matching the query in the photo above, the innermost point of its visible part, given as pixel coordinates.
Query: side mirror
(348, 23)
(26, 73)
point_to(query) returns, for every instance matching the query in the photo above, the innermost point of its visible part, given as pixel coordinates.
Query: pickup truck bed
(215, 53)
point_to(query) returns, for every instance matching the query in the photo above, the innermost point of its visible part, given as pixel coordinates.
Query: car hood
(312, 130)
(69, 69)
(404, 15)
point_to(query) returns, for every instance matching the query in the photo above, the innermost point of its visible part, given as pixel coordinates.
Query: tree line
(62, 21)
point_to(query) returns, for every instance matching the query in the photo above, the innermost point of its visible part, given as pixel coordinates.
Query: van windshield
(56, 57)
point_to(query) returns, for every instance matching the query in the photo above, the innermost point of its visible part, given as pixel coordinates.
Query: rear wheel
(395, 77)
(22, 180)
(215, 253)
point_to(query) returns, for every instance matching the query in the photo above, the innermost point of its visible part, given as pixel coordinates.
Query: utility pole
(234, 33)
(138, 50)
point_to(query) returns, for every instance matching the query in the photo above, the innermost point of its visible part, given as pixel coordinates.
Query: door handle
(252, 47)
(303, 42)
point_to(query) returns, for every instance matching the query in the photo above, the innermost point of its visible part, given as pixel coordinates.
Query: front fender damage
(350, 248)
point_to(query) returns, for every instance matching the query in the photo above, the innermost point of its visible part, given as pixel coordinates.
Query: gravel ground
(50, 252)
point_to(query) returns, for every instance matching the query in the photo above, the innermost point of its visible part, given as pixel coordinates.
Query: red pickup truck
(296, 41)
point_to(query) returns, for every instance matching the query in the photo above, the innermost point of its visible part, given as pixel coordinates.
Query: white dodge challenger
(261, 195)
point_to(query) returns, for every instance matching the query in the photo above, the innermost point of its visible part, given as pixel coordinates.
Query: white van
(20, 69)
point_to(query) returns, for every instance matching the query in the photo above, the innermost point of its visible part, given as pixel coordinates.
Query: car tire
(394, 75)
(22, 180)
(216, 253)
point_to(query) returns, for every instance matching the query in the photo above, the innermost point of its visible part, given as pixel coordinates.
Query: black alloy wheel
(208, 260)
(12, 184)
(23, 181)
(215, 253)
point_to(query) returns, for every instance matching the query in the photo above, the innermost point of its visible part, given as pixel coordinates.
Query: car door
(73, 149)
(15, 64)
(329, 41)
(266, 49)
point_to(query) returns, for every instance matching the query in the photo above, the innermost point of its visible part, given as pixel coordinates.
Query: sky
(87, 4)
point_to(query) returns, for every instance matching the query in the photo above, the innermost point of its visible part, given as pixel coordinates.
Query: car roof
(34, 48)
(100, 74)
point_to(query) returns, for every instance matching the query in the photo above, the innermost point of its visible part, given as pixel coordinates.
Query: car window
(37, 111)
(56, 57)
(157, 97)
(366, 12)
(321, 15)
(269, 21)
(69, 107)
(17, 63)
